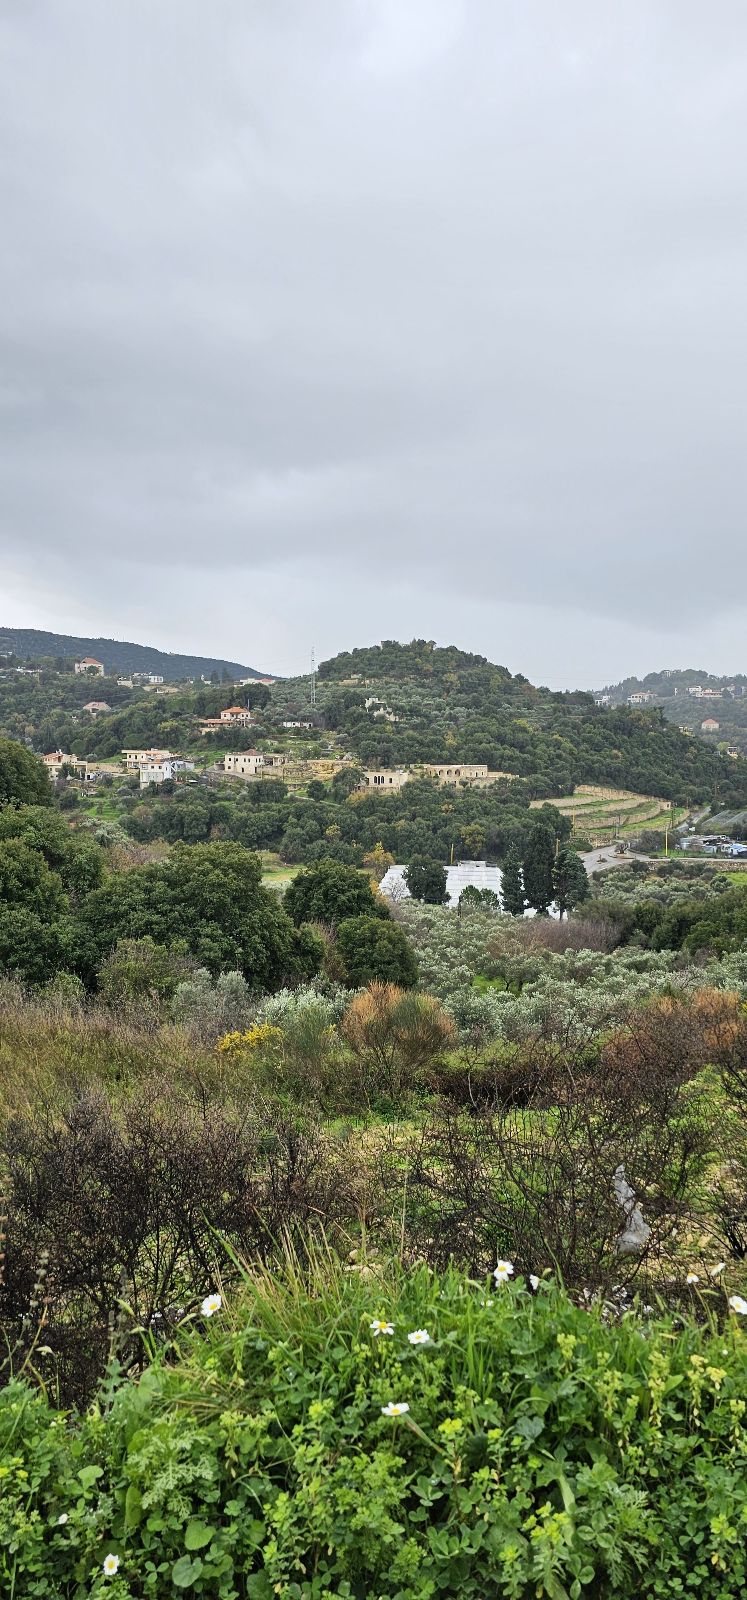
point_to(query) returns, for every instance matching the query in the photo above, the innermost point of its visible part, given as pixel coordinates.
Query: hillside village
(700, 703)
(379, 724)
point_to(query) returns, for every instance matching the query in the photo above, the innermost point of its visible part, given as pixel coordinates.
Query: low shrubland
(127, 1152)
(343, 1429)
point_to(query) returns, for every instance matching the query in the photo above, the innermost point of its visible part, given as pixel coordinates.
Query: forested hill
(452, 706)
(119, 656)
(676, 682)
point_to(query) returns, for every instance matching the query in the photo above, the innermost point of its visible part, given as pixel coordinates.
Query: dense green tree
(426, 880)
(720, 925)
(539, 858)
(24, 780)
(211, 898)
(72, 854)
(31, 946)
(570, 880)
(346, 781)
(331, 892)
(27, 880)
(480, 899)
(374, 950)
(512, 888)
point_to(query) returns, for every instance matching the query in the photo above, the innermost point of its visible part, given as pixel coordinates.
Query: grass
(275, 871)
(47, 1053)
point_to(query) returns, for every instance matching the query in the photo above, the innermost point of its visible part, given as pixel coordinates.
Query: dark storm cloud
(327, 321)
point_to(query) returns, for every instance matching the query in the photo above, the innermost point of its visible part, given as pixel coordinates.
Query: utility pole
(667, 825)
(313, 680)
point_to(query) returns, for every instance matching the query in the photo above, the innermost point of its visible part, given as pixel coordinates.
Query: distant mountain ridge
(118, 655)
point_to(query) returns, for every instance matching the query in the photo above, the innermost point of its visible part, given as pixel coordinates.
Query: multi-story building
(161, 771)
(244, 763)
(139, 758)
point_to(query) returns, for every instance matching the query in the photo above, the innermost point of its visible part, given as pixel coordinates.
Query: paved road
(604, 859)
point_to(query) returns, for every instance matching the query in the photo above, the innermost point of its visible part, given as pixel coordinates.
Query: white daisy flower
(420, 1336)
(738, 1304)
(395, 1409)
(534, 1280)
(62, 1519)
(719, 1267)
(111, 1566)
(692, 1277)
(502, 1271)
(210, 1305)
(379, 1326)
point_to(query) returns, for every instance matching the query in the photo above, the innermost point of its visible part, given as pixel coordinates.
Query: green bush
(372, 951)
(329, 892)
(518, 1446)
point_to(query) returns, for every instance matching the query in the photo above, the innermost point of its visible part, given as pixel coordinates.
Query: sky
(327, 321)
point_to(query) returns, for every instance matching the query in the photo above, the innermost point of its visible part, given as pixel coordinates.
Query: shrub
(374, 951)
(209, 1009)
(393, 1035)
(124, 1206)
(526, 1447)
(300, 1054)
(139, 969)
(537, 1175)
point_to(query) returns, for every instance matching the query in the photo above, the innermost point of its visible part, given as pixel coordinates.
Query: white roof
(457, 878)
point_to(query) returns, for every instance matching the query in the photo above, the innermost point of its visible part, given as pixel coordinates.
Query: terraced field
(603, 815)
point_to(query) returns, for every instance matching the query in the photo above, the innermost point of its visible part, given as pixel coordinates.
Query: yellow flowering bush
(261, 1036)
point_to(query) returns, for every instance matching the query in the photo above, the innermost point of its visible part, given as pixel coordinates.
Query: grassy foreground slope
(348, 1434)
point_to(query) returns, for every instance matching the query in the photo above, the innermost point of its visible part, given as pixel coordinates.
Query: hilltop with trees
(452, 706)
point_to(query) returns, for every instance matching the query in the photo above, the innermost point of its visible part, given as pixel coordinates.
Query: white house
(84, 771)
(385, 779)
(90, 667)
(139, 758)
(161, 771)
(244, 763)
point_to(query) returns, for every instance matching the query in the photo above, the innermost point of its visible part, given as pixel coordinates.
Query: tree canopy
(23, 778)
(426, 880)
(330, 892)
(372, 950)
(211, 898)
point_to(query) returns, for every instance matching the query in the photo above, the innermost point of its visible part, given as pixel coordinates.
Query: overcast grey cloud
(328, 320)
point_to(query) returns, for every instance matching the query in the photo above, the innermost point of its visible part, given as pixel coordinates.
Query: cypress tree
(570, 881)
(426, 880)
(539, 859)
(512, 889)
